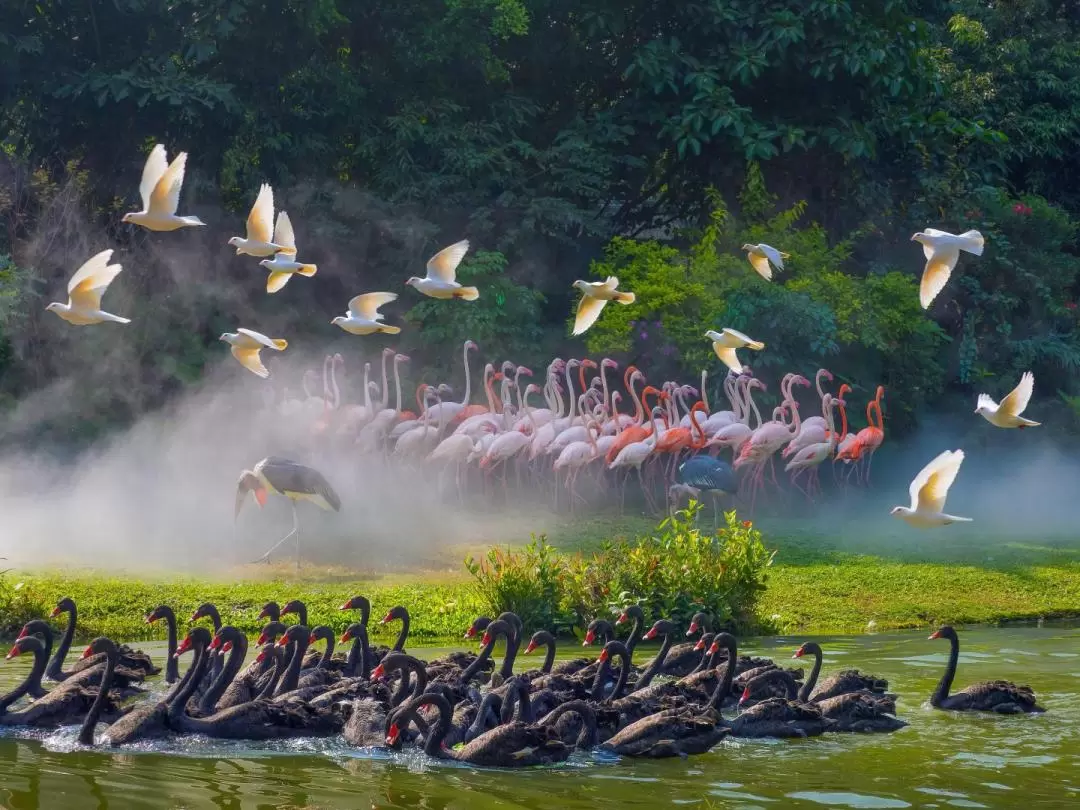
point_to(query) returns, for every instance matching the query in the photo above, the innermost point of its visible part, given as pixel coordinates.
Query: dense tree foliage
(642, 138)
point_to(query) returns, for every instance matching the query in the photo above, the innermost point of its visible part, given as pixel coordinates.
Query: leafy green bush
(528, 582)
(16, 609)
(677, 572)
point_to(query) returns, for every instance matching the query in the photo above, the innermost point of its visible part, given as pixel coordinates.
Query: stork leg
(294, 533)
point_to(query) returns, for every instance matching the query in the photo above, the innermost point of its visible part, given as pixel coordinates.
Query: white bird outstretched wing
(588, 311)
(931, 486)
(738, 340)
(761, 264)
(260, 221)
(1017, 400)
(939, 266)
(166, 197)
(774, 255)
(283, 232)
(366, 306)
(443, 265)
(249, 359)
(153, 169)
(727, 357)
(91, 280)
(986, 401)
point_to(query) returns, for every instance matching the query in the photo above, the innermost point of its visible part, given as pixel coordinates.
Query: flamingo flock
(590, 436)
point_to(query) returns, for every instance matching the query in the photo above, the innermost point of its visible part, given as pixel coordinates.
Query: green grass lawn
(820, 582)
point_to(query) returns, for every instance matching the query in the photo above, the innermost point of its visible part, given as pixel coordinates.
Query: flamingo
(450, 411)
(374, 433)
(811, 457)
(738, 433)
(575, 456)
(814, 428)
(634, 454)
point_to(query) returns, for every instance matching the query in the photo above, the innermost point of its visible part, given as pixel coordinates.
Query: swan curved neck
(55, 669)
(549, 656)
(33, 677)
(811, 682)
(208, 703)
(403, 634)
(945, 683)
(86, 732)
(654, 666)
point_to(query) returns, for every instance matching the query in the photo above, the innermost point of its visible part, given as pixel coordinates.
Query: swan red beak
(935, 634)
(392, 734)
(283, 641)
(603, 656)
(745, 695)
(262, 639)
(226, 647)
(215, 642)
(378, 672)
(196, 616)
(694, 627)
(23, 634)
(150, 618)
(650, 635)
(700, 645)
(263, 614)
(346, 636)
(185, 645)
(530, 648)
(590, 637)
(714, 648)
(312, 639)
(798, 653)
(346, 606)
(470, 632)
(622, 618)
(389, 617)
(486, 639)
(15, 652)
(55, 612)
(261, 656)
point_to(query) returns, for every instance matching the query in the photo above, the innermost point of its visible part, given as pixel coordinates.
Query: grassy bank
(819, 583)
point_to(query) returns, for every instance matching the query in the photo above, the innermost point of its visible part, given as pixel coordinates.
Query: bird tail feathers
(192, 221)
(280, 344)
(756, 345)
(973, 242)
(625, 297)
(467, 293)
(390, 330)
(307, 270)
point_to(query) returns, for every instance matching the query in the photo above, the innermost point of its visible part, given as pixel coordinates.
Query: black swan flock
(460, 707)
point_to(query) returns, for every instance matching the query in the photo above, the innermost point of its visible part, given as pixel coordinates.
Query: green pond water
(942, 760)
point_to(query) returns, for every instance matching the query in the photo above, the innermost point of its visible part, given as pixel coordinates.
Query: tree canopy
(564, 139)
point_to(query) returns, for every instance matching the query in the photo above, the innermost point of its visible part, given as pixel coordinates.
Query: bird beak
(15, 651)
(590, 637)
(934, 635)
(346, 637)
(260, 496)
(622, 618)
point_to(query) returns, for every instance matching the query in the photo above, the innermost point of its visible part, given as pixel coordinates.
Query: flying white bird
(160, 192)
(725, 343)
(246, 345)
(85, 290)
(441, 271)
(284, 264)
(761, 255)
(259, 225)
(942, 251)
(928, 493)
(1007, 414)
(594, 297)
(363, 316)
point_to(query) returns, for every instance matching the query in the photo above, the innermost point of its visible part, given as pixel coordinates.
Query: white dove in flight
(928, 492)
(85, 290)
(260, 223)
(160, 191)
(726, 342)
(761, 255)
(1007, 414)
(594, 297)
(364, 318)
(942, 250)
(284, 264)
(246, 345)
(441, 272)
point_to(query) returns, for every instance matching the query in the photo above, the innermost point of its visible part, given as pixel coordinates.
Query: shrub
(16, 609)
(528, 582)
(673, 574)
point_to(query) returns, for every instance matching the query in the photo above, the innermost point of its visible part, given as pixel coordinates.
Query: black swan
(1003, 697)
(164, 612)
(208, 610)
(516, 744)
(398, 612)
(132, 666)
(839, 683)
(65, 704)
(678, 732)
(636, 629)
(366, 725)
